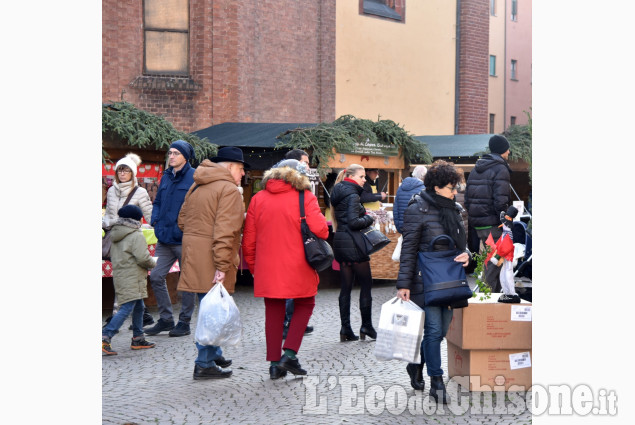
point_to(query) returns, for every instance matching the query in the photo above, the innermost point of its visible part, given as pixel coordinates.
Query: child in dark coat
(130, 264)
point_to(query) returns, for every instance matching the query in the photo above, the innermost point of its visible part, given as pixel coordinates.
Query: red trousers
(274, 325)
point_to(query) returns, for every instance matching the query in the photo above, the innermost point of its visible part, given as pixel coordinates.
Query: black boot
(415, 371)
(436, 386)
(365, 307)
(346, 333)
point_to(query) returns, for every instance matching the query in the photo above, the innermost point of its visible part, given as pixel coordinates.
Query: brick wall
(473, 67)
(249, 62)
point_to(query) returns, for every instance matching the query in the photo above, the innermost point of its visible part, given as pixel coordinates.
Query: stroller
(522, 254)
(522, 271)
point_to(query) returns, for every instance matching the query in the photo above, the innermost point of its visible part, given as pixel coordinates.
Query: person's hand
(219, 276)
(404, 294)
(383, 195)
(464, 258)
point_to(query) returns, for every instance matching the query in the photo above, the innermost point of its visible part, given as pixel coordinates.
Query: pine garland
(141, 129)
(325, 139)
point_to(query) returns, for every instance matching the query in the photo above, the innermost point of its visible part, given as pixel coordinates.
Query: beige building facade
(509, 87)
(399, 70)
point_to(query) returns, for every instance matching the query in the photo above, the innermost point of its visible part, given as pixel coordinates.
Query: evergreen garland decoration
(141, 129)
(325, 139)
(519, 137)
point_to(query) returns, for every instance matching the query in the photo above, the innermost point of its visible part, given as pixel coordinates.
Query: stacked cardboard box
(491, 343)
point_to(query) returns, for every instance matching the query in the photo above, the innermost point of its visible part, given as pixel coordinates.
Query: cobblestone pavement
(155, 386)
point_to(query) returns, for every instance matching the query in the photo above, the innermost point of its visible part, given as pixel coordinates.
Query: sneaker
(181, 329)
(161, 325)
(106, 348)
(147, 320)
(140, 344)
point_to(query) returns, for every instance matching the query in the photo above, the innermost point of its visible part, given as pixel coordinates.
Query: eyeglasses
(174, 153)
(453, 188)
(124, 170)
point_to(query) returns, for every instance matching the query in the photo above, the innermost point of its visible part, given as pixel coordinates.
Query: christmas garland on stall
(141, 129)
(325, 139)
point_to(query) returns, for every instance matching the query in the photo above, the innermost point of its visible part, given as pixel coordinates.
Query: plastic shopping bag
(218, 319)
(396, 254)
(400, 331)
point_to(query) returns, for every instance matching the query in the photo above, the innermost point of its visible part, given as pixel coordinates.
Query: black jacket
(350, 215)
(421, 224)
(367, 194)
(487, 192)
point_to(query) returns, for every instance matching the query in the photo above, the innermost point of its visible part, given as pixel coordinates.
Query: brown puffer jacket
(211, 219)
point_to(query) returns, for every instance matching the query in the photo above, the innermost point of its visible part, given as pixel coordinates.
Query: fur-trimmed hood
(288, 175)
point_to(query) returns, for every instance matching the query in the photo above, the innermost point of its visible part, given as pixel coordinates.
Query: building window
(166, 25)
(492, 7)
(391, 9)
(491, 123)
(492, 65)
(513, 121)
(514, 69)
(514, 10)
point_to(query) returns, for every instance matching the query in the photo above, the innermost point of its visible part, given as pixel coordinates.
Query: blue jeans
(168, 254)
(436, 324)
(288, 312)
(207, 354)
(136, 308)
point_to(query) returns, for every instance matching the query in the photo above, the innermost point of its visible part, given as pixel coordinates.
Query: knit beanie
(185, 148)
(130, 211)
(300, 167)
(498, 144)
(132, 161)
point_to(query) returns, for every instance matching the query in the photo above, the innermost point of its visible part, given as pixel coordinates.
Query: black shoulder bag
(318, 252)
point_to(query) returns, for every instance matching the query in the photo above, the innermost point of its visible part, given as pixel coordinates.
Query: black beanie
(130, 211)
(498, 144)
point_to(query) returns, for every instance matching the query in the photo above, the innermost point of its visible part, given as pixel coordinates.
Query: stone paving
(155, 386)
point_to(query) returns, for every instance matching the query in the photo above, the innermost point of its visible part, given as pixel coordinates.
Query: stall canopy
(457, 145)
(256, 140)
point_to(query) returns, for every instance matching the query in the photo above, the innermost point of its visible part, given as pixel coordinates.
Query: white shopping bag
(396, 254)
(400, 331)
(218, 320)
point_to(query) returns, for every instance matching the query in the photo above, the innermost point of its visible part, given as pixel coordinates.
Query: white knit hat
(132, 161)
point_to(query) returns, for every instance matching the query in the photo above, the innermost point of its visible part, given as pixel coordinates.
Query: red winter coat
(272, 243)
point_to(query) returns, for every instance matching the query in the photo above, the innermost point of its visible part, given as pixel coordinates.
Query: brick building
(204, 62)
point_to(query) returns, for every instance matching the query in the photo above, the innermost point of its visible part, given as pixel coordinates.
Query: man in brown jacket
(211, 220)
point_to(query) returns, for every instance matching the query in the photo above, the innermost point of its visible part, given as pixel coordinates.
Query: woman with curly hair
(431, 213)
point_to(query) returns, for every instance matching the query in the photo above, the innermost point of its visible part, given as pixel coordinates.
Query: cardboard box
(490, 325)
(486, 369)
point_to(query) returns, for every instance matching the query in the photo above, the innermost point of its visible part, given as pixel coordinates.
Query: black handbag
(444, 280)
(371, 240)
(318, 252)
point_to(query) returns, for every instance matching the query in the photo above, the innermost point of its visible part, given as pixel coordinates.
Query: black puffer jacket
(487, 192)
(350, 214)
(421, 224)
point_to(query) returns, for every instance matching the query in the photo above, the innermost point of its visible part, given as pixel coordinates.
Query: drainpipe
(457, 67)
(505, 71)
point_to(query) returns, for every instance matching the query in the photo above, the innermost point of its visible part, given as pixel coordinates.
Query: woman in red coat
(274, 252)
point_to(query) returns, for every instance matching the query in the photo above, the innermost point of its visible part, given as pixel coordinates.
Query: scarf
(350, 181)
(450, 220)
